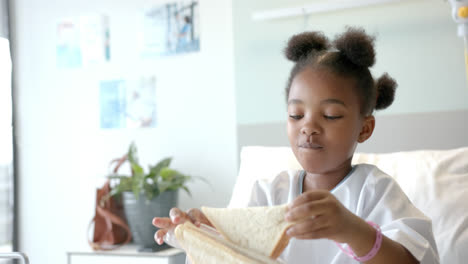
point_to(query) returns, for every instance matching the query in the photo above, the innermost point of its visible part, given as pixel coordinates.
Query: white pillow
(257, 163)
(435, 181)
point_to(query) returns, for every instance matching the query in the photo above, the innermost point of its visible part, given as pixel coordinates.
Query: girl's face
(324, 121)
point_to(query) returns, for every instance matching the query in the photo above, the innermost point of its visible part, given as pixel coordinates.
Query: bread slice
(203, 247)
(261, 229)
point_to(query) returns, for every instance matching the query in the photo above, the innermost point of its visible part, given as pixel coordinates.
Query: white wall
(417, 44)
(63, 155)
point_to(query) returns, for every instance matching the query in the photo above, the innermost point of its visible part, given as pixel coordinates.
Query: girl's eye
(332, 117)
(296, 117)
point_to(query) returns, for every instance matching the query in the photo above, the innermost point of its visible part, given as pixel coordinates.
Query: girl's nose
(308, 131)
(310, 128)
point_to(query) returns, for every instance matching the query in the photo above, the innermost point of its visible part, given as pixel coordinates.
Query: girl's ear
(367, 128)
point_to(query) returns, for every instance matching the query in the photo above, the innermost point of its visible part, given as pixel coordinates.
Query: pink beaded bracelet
(372, 252)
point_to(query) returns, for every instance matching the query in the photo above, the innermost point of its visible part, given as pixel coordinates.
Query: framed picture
(83, 41)
(128, 103)
(172, 28)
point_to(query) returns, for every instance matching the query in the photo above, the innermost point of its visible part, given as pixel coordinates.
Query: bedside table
(125, 255)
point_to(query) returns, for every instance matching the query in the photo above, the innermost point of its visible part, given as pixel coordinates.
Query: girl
(331, 96)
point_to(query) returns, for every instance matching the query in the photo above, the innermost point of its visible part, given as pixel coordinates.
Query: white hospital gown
(367, 192)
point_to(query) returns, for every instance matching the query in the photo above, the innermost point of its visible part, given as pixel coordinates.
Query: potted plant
(146, 195)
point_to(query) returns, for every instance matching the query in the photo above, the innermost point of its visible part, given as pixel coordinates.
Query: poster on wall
(128, 103)
(170, 29)
(83, 41)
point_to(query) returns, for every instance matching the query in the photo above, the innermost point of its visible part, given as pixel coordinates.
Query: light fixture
(316, 8)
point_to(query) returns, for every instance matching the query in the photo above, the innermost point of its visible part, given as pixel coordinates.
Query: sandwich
(253, 235)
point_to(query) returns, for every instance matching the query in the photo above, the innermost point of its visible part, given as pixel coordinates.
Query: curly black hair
(350, 55)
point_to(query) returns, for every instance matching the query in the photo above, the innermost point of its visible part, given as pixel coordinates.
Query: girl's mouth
(310, 146)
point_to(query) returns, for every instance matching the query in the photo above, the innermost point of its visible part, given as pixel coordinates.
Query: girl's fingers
(306, 210)
(197, 217)
(178, 216)
(162, 222)
(308, 226)
(309, 197)
(159, 235)
(317, 234)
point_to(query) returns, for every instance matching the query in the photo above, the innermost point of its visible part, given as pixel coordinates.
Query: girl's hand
(320, 215)
(176, 217)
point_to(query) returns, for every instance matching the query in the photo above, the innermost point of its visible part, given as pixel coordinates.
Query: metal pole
(15, 255)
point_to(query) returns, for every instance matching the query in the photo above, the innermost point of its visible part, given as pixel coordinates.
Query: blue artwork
(171, 29)
(112, 104)
(128, 104)
(83, 41)
(68, 45)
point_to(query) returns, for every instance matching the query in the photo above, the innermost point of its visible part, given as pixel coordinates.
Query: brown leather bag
(110, 226)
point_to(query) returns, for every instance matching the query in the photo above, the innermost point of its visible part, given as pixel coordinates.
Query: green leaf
(114, 192)
(151, 190)
(132, 153)
(137, 169)
(125, 184)
(163, 186)
(203, 180)
(116, 176)
(151, 175)
(167, 174)
(162, 164)
(186, 190)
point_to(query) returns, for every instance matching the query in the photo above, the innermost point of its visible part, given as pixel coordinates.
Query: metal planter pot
(140, 213)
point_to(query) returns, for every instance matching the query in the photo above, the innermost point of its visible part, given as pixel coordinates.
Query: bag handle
(110, 219)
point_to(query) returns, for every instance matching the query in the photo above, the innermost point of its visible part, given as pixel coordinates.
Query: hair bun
(301, 45)
(386, 87)
(357, 46)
